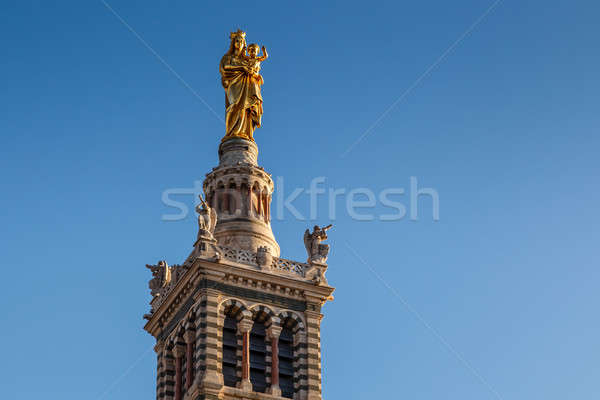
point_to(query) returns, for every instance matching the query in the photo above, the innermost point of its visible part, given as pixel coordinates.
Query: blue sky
(497, 299)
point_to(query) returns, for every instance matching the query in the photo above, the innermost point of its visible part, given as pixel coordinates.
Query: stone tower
(235, 321)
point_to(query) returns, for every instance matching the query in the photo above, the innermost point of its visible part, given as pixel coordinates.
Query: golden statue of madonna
(241, 79)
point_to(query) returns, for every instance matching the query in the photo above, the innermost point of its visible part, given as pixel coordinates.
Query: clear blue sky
(502, 291)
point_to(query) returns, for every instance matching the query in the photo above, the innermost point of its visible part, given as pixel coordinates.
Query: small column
(244, 327)
(259, 195)
(235, 199)
(273, 333)
(265, 207)
(250, 210)
(178, 353)
(190, 339)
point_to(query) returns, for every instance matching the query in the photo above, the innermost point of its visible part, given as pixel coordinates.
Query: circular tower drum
(240, 191)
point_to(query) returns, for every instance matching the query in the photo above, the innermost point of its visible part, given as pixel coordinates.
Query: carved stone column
(235, 199)
(265, 200)
(269, 208)
(190, 340)
(259, 202)
(178, 353)
(250, 210)
(244, 327)
(273, 333)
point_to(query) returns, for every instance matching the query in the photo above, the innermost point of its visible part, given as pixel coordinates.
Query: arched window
(258, 356)
(230, 351)
(286, 362)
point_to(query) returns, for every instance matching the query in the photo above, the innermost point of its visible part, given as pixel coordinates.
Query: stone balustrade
(278, 265)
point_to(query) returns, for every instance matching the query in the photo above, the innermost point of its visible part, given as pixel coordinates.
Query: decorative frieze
(257, 261)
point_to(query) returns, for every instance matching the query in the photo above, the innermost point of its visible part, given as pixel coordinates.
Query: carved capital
(274, 331)
(189, 336)
(178, 351)
(245, 325)
(299, 337)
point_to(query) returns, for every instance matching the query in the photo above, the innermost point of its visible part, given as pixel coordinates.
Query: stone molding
(244, 258)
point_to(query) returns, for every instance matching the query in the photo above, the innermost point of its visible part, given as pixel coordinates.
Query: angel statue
(161, 276)
(207, 219)
(241, 80)
(317, 252)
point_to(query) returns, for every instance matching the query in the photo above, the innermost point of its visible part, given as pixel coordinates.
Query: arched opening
(230, 350)
(258, 357)
(286, 362)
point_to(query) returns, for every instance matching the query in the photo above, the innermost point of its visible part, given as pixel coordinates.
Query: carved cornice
(241, 173)
(283, 284)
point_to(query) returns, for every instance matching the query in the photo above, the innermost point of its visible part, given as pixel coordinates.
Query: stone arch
(263, 314)
(232, 307)
(292, 319)
(255, 196)
(176, 333)
(231, 349)
(294, 386)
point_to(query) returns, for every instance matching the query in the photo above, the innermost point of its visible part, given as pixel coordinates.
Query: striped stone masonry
(190, 326)
(313, 351)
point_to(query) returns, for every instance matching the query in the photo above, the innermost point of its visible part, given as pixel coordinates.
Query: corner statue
(207, 219)
(241, 80)
(317, 252)
(161, 276)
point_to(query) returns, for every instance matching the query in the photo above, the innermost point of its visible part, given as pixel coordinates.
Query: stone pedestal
(237, 151)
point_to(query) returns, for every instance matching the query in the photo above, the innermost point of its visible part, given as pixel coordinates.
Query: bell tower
(235, 320)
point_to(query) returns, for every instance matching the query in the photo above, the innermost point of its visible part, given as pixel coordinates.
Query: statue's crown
(239, 32)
